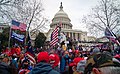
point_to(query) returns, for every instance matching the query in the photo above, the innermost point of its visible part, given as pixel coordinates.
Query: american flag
(54, 36)
(30, 53)
(18, 26)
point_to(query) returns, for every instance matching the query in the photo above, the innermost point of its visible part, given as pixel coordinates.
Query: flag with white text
(19, 37)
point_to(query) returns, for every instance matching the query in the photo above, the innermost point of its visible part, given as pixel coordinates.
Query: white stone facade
(61, 18)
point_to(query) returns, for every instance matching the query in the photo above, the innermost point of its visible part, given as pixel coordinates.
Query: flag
(18, 26)
(30, 53)
(19, 37)
(111, 36)
(54, 36)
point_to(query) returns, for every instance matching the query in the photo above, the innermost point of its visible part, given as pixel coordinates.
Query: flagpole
(27, 33)
(9, 37)
(59, 32)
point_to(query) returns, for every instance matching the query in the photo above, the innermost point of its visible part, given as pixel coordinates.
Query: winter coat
(4, 68)
(43, 68)
(62, 64)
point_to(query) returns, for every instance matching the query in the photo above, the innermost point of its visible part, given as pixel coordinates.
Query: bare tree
(32, 14)
(103, 15)
(26, 11)
(8, 9)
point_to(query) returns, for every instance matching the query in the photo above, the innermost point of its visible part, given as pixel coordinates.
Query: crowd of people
(71, 61)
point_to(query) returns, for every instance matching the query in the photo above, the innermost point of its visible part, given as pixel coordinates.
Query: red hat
(54, 58)
(117, 56)
(75, 61)
(43, 56)
(76, 51)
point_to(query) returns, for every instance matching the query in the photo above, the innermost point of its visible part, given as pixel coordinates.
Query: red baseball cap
(43, 56)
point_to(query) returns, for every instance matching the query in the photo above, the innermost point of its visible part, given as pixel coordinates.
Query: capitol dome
(62, 17)
(61, 13)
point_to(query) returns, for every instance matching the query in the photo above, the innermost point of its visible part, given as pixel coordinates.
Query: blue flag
(19, 37)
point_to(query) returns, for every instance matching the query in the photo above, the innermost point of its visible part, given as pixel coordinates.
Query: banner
(17, 36)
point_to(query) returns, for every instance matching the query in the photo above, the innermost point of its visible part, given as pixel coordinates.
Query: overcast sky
(75, 9)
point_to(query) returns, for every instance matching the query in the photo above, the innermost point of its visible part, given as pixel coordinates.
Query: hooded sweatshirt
(43, 68)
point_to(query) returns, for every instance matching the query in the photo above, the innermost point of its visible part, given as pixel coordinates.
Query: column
(78, 36)
(63, 25)
(72, 36)
(69, 34)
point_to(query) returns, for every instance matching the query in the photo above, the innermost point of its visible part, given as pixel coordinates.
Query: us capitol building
(66, 27)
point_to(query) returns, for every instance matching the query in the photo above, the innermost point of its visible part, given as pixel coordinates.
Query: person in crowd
(4, 67)
(81, 66)
(77, 53)
(21, 58)
(80, 48)
(14, 61)
(73, 65)
(102, 63)
(18, 50)
(13, 49)
(95, 50)
(43, 66)
(25, 67)
(64, 62)
(13, 64)
(54, 60)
